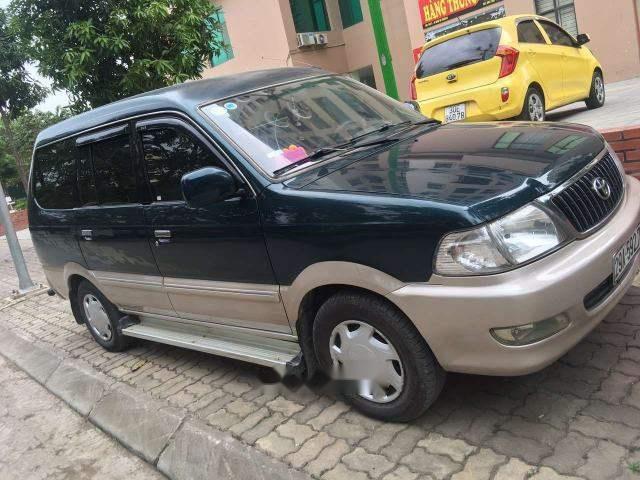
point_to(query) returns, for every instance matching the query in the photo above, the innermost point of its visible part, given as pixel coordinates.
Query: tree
(18, 91)
(104, 50)
(15, 160)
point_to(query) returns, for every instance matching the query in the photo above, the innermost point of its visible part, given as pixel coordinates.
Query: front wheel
(597, 94)
(392, 373)
(534, 109)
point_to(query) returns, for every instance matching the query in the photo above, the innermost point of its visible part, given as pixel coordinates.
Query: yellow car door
(544, 59)
(576, 77)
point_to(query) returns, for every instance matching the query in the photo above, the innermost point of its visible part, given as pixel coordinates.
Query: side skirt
(254, 346)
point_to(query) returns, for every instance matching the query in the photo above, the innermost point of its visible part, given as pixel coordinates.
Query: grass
(634, 467)
(21, 204)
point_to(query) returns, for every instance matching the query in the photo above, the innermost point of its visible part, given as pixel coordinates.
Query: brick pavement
(579, 418)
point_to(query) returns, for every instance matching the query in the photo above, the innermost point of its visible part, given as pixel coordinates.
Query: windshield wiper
(312, 157)
(324, 152)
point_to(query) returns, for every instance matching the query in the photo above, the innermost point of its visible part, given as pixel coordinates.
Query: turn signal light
(414, 93)
(504, 93)
(509, 57)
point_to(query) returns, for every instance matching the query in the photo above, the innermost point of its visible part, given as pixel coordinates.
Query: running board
(248, 347)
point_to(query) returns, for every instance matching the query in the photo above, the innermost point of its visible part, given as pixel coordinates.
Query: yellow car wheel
(597, 94)
(534, 109)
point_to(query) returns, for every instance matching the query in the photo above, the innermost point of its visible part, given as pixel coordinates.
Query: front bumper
(455, 315)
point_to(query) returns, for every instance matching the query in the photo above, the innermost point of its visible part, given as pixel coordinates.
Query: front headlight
(518, 238)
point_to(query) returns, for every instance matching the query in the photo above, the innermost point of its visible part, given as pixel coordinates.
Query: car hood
(487, 169)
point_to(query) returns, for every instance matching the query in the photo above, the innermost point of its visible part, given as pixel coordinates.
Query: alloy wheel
(599, 87)
(536, 108)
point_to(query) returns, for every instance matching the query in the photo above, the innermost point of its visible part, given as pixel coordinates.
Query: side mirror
(583, 38)
(207, 186)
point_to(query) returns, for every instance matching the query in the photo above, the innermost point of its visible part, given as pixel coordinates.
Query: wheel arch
(537, 85)
(75, 273)
(320, 281)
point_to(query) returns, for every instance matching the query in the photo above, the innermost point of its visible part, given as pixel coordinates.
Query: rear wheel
(533, 109)
(597, 94)
(101, 317)
(394, 374)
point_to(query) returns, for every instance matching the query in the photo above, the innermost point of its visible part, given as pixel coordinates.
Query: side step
(246, 346)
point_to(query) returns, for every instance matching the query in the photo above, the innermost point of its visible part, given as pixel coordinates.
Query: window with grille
(220, 34)
(310, 15)
(562, 12)
(351, 12)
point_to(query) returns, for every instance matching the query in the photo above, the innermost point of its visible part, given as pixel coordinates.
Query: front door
(214, 260)
(110, 223)
(576, 76)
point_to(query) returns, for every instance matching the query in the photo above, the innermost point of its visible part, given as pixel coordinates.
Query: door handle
(87, 235)
(162, 237)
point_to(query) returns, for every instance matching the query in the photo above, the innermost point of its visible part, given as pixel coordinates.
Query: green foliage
(24, 129)
(21, 204)
(104, 50)
(634, 467)
(18, 92)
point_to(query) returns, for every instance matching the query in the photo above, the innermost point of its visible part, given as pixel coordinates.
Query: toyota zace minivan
(303, 221)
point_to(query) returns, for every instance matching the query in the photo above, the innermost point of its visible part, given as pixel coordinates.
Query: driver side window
(557, 35)
(170, 152)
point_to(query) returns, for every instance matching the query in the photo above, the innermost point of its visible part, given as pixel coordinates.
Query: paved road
(42, 438)
(622, 108)
(579, 418)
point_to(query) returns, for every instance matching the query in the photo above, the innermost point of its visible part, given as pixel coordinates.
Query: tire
(534, 108)
(597, 94)
(421, 374)
(91, 305)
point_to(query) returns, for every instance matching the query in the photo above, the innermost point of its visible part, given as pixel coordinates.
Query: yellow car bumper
(482, 103)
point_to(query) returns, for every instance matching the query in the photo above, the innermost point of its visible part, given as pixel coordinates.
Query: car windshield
(287, 125)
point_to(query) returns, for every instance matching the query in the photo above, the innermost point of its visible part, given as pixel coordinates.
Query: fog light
(531, 332)
(505, 94)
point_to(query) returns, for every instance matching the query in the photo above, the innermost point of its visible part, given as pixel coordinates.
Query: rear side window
(113, 166)
(54, 179)
(528, 32)
(169, 153)
(557, 35)
(460, 51)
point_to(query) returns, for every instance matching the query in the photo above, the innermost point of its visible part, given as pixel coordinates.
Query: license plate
(455, 113)
(623, 257)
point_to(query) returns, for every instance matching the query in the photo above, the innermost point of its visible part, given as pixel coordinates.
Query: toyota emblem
(452, 77)
(602, 188)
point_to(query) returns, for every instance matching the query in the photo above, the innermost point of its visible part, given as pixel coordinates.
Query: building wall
(263, 36)
(614, 36)
(258, 36)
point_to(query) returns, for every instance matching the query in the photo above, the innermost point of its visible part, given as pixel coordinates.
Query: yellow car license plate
(455, 113)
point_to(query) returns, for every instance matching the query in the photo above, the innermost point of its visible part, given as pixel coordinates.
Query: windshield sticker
(274, 154)
(216, 110)
(231, 106)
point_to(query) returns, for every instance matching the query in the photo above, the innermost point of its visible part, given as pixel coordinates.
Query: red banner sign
(438, 11)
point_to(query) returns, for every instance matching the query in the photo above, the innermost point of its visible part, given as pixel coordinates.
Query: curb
(179, 445)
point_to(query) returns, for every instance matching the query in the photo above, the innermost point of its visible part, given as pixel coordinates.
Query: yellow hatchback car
(515, 67)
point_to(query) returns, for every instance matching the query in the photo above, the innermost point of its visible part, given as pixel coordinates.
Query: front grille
(580, 203)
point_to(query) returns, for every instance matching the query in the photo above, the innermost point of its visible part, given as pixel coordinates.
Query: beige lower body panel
(240, 304)
(455, 315)
(143, 293)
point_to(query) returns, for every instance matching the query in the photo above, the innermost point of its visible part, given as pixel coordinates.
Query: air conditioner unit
(306, 39)
(321, 39)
